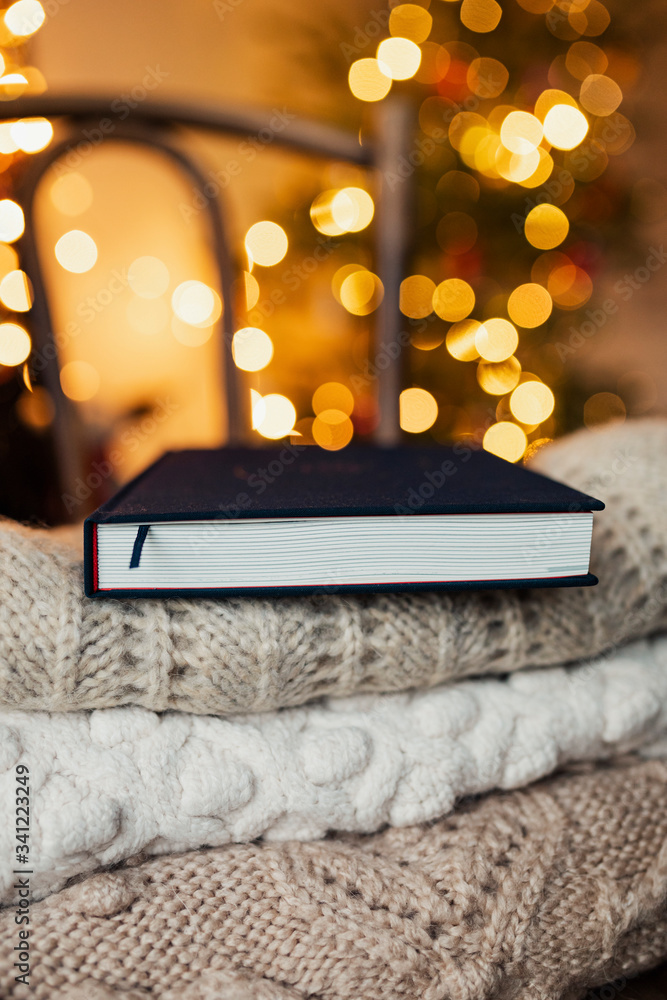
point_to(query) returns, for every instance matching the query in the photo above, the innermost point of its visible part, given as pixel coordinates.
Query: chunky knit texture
(60, 651)
(113, 782)
(534, 895)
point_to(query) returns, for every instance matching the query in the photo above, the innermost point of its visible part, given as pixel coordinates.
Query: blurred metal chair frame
(156, 126)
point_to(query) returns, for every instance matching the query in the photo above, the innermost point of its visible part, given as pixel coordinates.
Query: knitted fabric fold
(107, 784)
(533, 895)
(60, 651)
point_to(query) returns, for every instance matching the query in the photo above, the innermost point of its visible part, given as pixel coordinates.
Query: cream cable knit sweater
(535, 895)
(107, 784)
(59, 651)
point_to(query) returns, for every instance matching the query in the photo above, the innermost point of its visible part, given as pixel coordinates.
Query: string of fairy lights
(18, 139)
(501, 135)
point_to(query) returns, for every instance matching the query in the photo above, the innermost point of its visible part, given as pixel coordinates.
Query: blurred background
(484, 260)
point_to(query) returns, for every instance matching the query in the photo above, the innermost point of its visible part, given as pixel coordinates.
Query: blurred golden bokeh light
(35, 408)
(416, 296)
(565, 127)
(409, 20)
(80, 380)
(487, 77)
(332, 430)
(190, 336)
(266, 243)
(367, 81)
(333, 396)
(496, 339)
(361, 292)
(251, 287)
(418, 410)
(196, 303)
(532, 402)
(549, 99)
(481, 16)
(71, 194)
(603, 408)
(546, 226)
(148, 277)
(506, 440)
(460, 340)
(16, 292)
(24, 18)
(453, 299)
(497, 378)
(600, 95)
(398, 58)
(32, 134)
(279, 416)
(252, 349)
(529, 305)
(14, 344)
(584, 58)
(12, 221)
(521, 132)
(76, 251)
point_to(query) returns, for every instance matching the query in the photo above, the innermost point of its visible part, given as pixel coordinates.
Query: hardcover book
(233, 521)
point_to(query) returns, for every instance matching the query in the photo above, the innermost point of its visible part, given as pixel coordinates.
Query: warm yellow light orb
(409, 20)
(332, 430)
(532, 402)
(266, 243)
(496, 339)
(398, 58)
(506, 440)
(546, 227)
(453, 300)
(32, 134)
(521, 132)
(79, 380)
(71, 194)
(24, 18)
(12, 221)
(76, 251)
(148, 277)
(565, 127)
(416, 296)
(481, 15)
(196, 303)
(252, 349)
(367, 80)
(333, 396)
(529, 305)
(418, 410)
(15, 291)
(460, 340)
(497, 378)
(600, 95)
(14, 344)
(279, 416)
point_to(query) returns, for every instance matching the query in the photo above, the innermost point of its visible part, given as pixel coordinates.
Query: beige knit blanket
(61, 651)
(534, 895)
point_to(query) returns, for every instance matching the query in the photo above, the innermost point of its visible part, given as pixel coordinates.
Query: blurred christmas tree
(517, 209)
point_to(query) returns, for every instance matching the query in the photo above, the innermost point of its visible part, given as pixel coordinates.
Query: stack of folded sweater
(452, 795)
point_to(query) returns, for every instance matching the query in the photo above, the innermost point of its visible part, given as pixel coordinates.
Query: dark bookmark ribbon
(138, 545)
